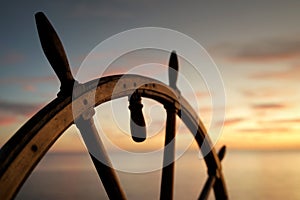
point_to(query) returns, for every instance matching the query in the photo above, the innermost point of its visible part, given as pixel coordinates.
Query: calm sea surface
(248, 174)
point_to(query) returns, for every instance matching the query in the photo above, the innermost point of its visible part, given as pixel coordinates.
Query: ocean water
(248, 174)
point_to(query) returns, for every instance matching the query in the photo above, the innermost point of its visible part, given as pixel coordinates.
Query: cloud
(296, 120)
(291, 73)
(29, 88)
(266, 50)
(233, 121)
(7, 120)
(28, 84)
(282, 130)
(32, 80)
(229, 122)
(282, 121)
(278, 126)
(17, 108)
(12, 58)
(10, 111)
(103, 10)
(265, 92)
(31, 85)
(264, 106)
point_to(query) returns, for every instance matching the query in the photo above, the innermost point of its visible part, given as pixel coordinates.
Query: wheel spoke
(167, 178)
(207, 187)
(167, 182)
(100, 158)
(214, 180)
(55, 53)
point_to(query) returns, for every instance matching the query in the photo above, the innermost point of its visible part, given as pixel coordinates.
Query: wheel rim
(24, 150)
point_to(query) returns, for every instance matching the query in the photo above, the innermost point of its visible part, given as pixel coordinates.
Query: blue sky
(255, 44)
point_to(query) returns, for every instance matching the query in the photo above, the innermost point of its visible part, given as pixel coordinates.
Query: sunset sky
(255, 45)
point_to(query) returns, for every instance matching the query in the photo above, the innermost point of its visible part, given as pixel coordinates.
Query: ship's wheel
(20, 155)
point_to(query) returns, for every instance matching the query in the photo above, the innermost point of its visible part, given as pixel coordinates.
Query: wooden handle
(173, 70)
(137, 121)
(54, 50)
(222, 152)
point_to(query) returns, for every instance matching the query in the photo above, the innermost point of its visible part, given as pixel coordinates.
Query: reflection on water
(263, 175)
(249, 175)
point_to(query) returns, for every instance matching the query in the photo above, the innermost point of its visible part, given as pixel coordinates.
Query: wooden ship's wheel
(20, 155)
